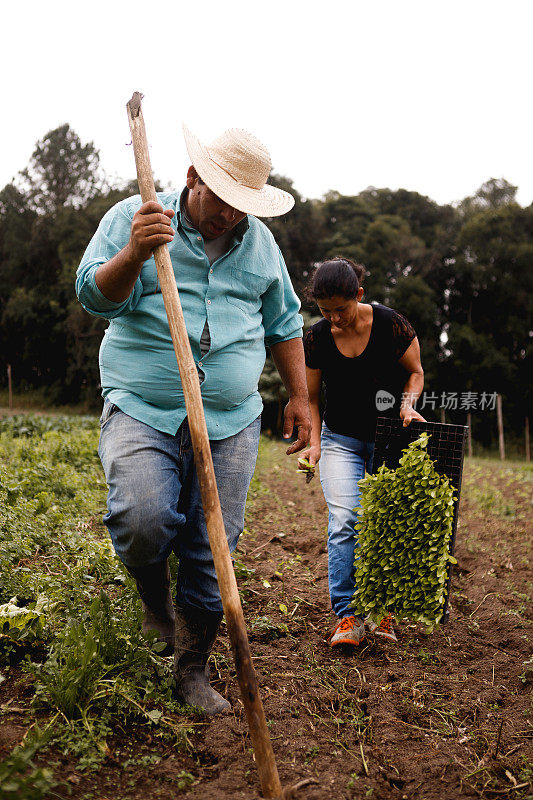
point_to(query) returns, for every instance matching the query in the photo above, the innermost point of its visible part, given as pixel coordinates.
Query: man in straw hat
(236, 297)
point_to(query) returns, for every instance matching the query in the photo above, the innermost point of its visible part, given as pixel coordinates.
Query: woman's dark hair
(338, 276)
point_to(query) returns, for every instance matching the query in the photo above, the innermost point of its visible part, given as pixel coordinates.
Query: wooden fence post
(9, 387)
(500, 426)
(469, 423)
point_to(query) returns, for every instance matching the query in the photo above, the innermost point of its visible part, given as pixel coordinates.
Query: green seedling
(307, 468)
(405, 526)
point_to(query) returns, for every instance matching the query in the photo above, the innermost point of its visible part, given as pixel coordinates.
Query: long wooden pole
(264, 754)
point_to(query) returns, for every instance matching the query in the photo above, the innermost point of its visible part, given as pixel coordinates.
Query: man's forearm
(116, 278)
(150, 228)
(290, 362)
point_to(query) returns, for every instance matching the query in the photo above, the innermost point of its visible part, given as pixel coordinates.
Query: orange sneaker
(386, 629)
(349, 630)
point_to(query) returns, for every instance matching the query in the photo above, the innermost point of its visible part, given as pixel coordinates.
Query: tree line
(462, 274)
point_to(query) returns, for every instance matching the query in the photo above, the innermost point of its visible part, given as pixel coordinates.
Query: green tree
(297, 233)
(62, 171)
(412, 296)
(346, 219)
(390, 250)
(46, 220)
(427, 220)
(489, 307)
(494, 193)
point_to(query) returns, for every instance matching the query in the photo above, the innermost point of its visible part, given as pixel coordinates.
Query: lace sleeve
(311, 348)
(403, 334)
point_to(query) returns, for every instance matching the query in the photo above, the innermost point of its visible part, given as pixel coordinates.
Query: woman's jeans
(154, 503)
(342, 464)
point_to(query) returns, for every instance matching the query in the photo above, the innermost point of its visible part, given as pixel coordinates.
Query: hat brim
(265, 202)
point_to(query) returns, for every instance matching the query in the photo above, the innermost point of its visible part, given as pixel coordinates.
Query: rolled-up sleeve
(112, 235)
(281, 306)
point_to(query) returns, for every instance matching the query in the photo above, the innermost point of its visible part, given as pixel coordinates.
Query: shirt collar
(238, 231)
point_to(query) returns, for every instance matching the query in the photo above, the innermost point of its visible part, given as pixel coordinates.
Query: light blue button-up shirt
(246, 297)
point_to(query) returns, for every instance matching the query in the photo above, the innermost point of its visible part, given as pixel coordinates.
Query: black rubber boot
(196, 631)
(153, 584)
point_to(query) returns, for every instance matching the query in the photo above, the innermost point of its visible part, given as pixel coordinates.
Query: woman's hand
(312, 454)
(408, 414)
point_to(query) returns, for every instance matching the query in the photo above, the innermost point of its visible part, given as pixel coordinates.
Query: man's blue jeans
(343, 462)
(154, 504)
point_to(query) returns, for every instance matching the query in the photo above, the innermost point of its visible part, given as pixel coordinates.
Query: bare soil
(440, 716)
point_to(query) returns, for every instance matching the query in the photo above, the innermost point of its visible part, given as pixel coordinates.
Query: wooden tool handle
(266, 763)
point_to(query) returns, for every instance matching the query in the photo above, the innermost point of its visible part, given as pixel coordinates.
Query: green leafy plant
(184, 780)
(21, 627)
(404, 527)
(267, 630)
(20, 778)
(100, 673)
(68, 611)
(90, 658)
(28, 425)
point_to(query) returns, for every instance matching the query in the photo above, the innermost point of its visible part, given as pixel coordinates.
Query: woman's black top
(360, 389)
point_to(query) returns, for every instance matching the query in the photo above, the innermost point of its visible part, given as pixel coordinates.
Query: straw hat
(235, 166)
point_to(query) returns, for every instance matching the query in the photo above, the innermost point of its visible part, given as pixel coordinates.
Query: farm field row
(86, 705)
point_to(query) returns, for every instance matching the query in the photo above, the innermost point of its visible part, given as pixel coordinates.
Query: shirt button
(200, 364)
(209, 302)
(211, 271)
(199, 238)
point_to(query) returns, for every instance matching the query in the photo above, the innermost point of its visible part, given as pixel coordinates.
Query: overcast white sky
(429, 95)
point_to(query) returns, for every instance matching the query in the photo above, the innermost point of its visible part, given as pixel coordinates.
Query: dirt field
(435, 717)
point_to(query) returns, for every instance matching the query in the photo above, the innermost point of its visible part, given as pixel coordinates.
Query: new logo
(384, 400)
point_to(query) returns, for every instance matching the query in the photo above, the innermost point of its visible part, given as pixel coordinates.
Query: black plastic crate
(446, 448)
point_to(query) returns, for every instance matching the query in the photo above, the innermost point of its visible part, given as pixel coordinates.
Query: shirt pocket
(148, 278)
(246, 289)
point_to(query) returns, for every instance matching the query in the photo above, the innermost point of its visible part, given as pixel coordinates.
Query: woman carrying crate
(368, 358)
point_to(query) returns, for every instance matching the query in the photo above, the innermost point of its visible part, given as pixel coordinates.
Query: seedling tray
(446, 448)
